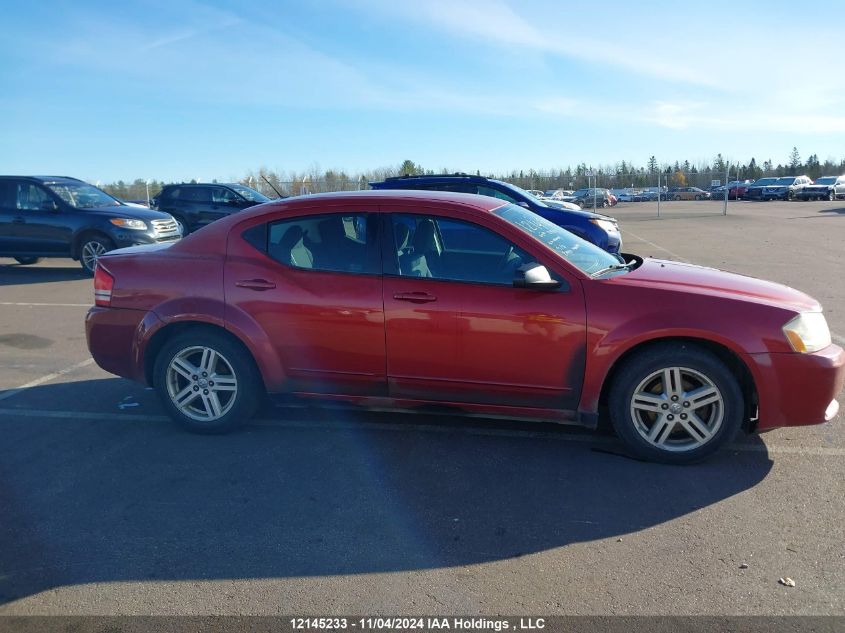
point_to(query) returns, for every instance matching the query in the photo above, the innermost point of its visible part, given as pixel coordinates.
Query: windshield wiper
(614, 267)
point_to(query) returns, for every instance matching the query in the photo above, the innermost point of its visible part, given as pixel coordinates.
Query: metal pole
(727, 187)
(658, 194)
(148, 192)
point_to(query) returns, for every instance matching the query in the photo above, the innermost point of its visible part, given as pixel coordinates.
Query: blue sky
(177, 90)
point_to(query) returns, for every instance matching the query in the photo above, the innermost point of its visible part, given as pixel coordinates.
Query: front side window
(219, 195)
(338, 242)
(454, 250)
(196, 194)
(250, 194)
(32, 198)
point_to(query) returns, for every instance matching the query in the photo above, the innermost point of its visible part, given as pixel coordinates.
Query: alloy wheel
(677, 409)
(201, 383)
(91, 252)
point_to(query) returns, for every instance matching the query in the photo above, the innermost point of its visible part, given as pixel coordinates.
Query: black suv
(195, 205)
(57, 216)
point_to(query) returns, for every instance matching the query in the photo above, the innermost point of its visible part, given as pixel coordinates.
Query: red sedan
(401, 299)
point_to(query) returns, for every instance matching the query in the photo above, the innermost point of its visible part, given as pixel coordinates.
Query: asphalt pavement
(106, 507)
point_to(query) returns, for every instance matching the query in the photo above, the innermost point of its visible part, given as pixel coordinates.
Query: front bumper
(798, 389)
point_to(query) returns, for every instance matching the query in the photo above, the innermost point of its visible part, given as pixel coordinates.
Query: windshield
(82, 195)
(826, 181)
(584, 256)
(250, 194)
(785, 181)
(521, 194)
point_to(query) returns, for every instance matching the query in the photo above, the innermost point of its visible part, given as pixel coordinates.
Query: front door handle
(415, 297)
(255, 284)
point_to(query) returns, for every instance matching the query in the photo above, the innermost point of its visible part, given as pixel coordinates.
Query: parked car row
(57, 216)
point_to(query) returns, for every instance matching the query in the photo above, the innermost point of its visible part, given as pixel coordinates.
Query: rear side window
(195, 194)
(336, 242)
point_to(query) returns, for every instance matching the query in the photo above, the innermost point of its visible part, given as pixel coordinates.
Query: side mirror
(523, 204)
(534, 275)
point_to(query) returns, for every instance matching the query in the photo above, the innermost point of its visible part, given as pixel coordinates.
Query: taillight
(103, 284)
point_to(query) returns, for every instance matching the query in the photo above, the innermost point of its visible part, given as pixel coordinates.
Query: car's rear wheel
(91, 248)
(676, 198)
(698, 197)
(675, 403)
(26, 261)
(207, 381)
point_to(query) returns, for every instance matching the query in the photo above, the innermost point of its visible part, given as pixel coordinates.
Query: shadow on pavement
(17, 274)
(123, 499)
(840, 211)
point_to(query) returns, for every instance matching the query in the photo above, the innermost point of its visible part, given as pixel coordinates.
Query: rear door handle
(255, 284)
(18, 220)
(415, 297)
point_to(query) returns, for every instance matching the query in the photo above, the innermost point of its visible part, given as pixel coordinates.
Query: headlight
(607, 225)
(808, 332)
(127, 223)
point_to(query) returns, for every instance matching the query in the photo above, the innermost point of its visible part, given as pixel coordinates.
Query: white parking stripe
(43, 379)
(48, 305)
(665, 250)
(586, 438)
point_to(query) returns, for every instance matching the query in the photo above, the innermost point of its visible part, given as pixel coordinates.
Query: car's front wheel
(91, 249)
(831, 195)
(207, 381)
(675, 403)
(26, 261)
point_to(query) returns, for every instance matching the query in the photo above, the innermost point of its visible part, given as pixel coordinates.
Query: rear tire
(91, 247)
(675, 403)
(207, 381)
(27, 261)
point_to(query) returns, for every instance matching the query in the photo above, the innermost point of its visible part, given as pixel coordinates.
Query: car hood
(589, 215)
(124, 211)
(696, 279)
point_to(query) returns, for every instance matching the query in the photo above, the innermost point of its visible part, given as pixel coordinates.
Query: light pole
(147, 183)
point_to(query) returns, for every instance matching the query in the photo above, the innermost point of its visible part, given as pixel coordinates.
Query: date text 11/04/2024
(418, 623)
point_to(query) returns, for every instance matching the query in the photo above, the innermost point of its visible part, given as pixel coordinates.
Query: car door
(8, 211)
(457, 330)
(222, 202)
(41, 224)
(313, 285)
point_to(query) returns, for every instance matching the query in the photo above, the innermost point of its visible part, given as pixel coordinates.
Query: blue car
(601, 230)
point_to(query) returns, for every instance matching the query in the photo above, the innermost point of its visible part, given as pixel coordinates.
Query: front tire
(27, 261)
(675, 403)
(207, 381)
(831, 196)
(90, 250)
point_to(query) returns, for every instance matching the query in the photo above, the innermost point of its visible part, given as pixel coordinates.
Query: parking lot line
(585, 438)
(665, 250)
(43, 379)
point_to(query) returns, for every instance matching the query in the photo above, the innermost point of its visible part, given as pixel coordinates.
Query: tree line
(616, 176)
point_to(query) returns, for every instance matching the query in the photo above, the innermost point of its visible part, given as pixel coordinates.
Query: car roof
(46, 179)
(378, 196)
